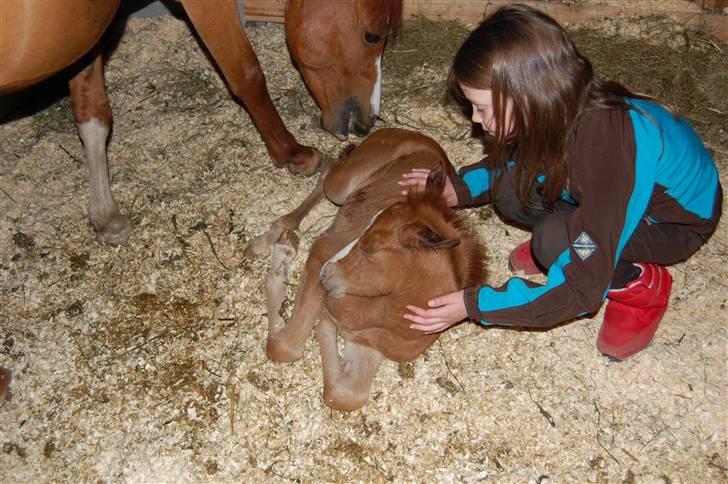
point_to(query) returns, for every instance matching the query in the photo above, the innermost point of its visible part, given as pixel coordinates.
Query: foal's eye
(370, 246)
(368, 249)
(372, 38)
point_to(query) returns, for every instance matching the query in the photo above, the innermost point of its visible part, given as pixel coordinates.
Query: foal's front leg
(286, 341)
(282, 254)
(288, 222)
(218, 25)
(347, 379)
(92, 113)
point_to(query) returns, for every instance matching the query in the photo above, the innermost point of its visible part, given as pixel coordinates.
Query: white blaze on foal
(347, 248)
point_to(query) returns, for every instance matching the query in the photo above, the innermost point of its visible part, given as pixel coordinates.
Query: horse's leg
(286, 341)
(377, 150)
(347, 379)
(92, 114)
(218, 25)
(289, 222)
(282, 253)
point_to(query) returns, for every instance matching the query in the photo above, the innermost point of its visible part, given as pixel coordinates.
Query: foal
(383, 251)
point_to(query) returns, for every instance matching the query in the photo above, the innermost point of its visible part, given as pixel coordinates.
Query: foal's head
(337, 46)
(418, 245)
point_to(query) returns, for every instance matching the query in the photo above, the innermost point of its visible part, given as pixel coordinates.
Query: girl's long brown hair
(525, 57)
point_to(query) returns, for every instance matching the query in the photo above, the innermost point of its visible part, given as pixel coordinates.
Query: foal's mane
(474, 250)
(384, 16)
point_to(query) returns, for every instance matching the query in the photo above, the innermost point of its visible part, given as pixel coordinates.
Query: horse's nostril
(360, 129)
(360, 125)
(340, 130)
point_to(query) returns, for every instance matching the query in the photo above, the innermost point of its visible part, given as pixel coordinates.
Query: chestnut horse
(338, 50)
(383, 250)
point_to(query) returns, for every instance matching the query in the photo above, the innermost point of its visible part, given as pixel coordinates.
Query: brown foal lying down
(384, 250)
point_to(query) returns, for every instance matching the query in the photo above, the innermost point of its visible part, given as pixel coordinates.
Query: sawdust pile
(146, 362)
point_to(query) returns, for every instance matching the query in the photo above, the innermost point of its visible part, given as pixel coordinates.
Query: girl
(611, 183)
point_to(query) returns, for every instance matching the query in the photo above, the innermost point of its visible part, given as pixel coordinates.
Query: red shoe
(633, 313)
(521, 260)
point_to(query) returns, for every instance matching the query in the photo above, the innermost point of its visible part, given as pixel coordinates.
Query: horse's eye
(372, 38)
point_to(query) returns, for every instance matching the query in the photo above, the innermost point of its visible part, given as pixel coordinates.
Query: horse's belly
(38, 39)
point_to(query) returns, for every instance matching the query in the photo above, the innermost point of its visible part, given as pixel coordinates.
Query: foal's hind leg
(93, 119)
(219, 27)
(347, 380)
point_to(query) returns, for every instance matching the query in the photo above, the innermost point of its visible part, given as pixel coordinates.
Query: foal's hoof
(115, 231)
(305, 162)
(281, 353)
(344, 401)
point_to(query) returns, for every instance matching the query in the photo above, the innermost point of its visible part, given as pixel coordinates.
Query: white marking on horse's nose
(376, 100)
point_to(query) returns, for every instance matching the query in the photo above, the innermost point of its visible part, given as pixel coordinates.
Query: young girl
(612, 184)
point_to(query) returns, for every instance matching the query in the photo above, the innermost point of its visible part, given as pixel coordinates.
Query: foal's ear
(435, 181)
(427, 239)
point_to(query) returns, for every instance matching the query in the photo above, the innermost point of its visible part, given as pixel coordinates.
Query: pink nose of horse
(351, 119)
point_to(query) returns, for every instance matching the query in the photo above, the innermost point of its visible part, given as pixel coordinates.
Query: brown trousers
(657, 243)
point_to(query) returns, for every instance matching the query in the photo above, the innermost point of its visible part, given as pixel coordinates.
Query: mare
(338, 50)
(383, 250)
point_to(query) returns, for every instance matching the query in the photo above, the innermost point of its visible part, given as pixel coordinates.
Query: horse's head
(337, 47)
(413, 249)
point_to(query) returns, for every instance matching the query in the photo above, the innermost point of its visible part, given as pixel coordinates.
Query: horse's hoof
(306, 162)
(257, 248)
(281, 354)
(345, 401)
(116, 231)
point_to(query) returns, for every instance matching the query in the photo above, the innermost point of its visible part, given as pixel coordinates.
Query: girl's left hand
(444, 312)
(416, 181)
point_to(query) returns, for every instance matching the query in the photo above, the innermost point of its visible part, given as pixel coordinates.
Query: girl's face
(482, 101)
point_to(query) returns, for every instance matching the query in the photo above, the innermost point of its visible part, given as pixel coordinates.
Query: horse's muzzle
(350, 120)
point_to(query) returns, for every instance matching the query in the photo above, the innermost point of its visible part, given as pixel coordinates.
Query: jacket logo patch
(584, 246)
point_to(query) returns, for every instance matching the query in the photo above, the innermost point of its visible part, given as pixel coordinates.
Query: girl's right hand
(416, 180)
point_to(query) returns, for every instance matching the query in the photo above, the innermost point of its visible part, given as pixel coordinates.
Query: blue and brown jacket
(624, 166)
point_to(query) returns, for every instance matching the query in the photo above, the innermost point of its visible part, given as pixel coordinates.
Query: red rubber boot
(633, 313)
(521, 260)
